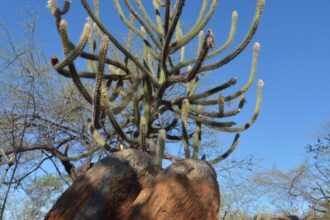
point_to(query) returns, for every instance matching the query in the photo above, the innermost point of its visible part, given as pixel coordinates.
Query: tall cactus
(134, 91)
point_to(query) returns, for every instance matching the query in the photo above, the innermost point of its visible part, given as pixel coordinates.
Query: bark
(127, 185)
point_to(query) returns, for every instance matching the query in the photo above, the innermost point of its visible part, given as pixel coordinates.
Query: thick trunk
(128, 185)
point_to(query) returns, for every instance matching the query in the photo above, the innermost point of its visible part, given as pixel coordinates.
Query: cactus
(136, 91)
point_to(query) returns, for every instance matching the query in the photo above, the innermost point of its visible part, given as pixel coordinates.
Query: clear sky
(294, 62)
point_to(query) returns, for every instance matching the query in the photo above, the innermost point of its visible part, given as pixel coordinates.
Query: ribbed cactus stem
(136, 108)
(64, 37)
(197, 137)
(147, 98)
(221, 101)
(248, 84)
(185, 112)
(143, 132)
(179, 35)
(255, 114)
(52, 6)
(230, 38)
(200, 41)
(156, 5)
(161, 147)
(241, 102)
(98, 82)
(130, 34)
(77, 50)
(228, 152)
(184, 115)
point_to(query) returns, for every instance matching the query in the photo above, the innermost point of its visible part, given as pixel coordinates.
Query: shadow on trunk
(127, 185)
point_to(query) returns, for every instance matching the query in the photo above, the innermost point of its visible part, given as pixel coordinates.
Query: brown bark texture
(128, 185)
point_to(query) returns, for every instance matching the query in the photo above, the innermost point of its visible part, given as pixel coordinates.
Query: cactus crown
(133, 98)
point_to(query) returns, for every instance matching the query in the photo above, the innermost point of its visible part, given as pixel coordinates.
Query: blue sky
(294, 63)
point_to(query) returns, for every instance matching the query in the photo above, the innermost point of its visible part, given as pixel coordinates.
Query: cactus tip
(256, 46)
(261, 83)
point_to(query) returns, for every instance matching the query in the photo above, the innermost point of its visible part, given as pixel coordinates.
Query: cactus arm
(215, 114)
(167, 16)
(243, 45)
(189, 75)
(119, 87)
(213, 124)
(252, 74)
(158, 18)
(195, 30)
(66, 7)
(216, 51)
(179, 35)
(143, 133)
(122, 105)
(115, 53)
(91, 75)
(147, 18)
(221, 103)
(107, 108)
(77, 50)
(67, 52)
(255, 114)
(109, 61)
(229, 39)
(169, 34)
(199, 47)
(136, 108)
(202, 12)
(142, 22)
(130, 26)
(98, 82)
(207, 92)
(147, 100)
(52, 6)
(178, 138)
(214, 102)
(117, 44)
(161, 147)
(197, 136)
(184, 116)
(227, 126)
(130, 37)
(228, 152)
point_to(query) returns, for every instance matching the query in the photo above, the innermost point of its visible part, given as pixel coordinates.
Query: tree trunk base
(127, 185)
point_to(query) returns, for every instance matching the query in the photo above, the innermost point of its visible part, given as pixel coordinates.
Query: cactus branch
(228, 152)
(98, 83)
(245, 42)
(117, 44)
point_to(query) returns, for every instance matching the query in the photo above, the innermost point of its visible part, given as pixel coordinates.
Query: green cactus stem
(77, 50)
(98, 82)
(143, 130)
(228, 152)
(184, 116)
(221, 103)
(118, 45)
(160, 147)
(148, 19)
(246, 41)
(196, 29)
(197, 137)
(256, 48)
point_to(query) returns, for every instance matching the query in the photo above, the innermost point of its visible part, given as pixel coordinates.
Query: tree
(142, 101)
(304, 189)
